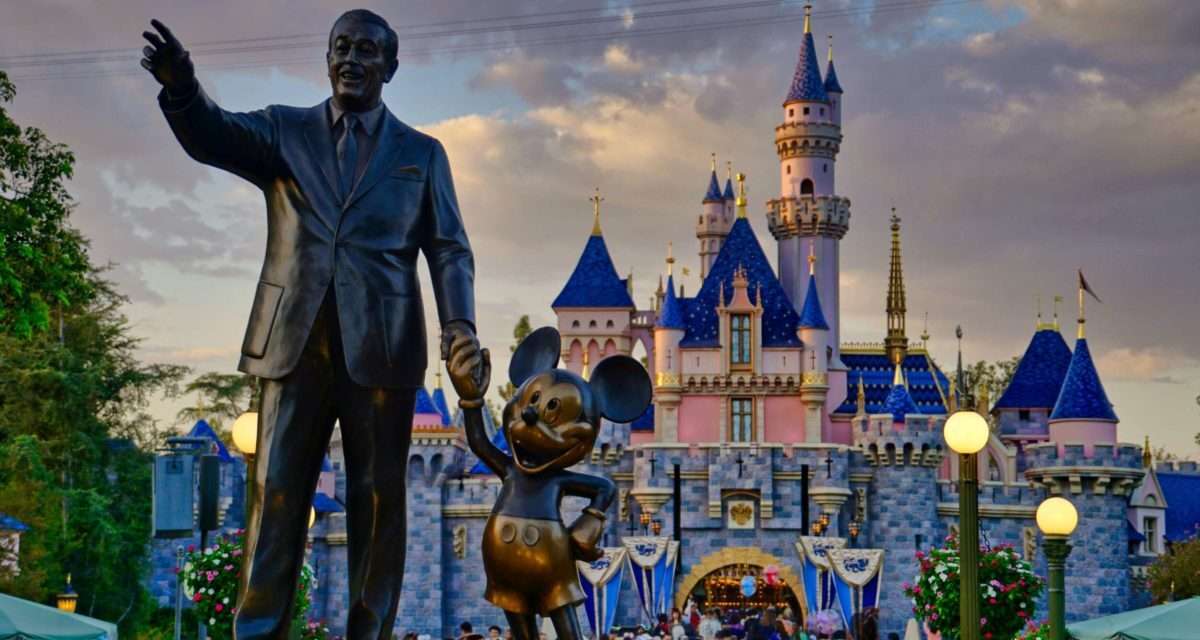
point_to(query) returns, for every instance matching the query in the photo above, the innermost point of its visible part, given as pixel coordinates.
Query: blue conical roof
(806, 81)
(202, 430)
(1082, 396)
(811, 315)
(595, 282)
(831, 80)
(671, 314)
(899, 403)
(714, 188)
(728, 195)
(439, 403)
(424, 403)
(1040, 374)
(741, 249)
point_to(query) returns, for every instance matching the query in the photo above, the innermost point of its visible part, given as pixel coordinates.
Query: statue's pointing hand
(167, 60)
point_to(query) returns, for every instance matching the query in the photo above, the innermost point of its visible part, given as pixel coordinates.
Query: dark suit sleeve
(245, 144)
(451, 264)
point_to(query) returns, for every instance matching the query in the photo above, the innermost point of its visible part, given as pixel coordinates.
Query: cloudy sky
(1018, 139)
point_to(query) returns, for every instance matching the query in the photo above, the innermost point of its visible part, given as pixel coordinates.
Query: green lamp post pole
(967, 433)
(968, 546)
(1057, 518)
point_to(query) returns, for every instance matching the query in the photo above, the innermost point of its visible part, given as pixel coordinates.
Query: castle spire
(860, 401)
(670, 259)
(728, 194)
(1147, 455)
(896, 341)
(596, 200)
(1057, 299)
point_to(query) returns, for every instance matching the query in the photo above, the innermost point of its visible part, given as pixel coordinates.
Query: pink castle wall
(1087, 432)
(700, 419)
(784, 419)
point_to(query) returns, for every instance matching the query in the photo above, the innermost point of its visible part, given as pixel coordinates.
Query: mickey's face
(547, 422)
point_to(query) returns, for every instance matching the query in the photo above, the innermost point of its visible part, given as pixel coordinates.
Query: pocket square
(407, 170)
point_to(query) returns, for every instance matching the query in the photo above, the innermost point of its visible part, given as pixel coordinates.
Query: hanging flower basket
(1008, 591)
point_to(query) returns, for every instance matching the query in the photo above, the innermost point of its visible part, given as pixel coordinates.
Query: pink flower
(982, 621)
(934, 617)
(229, 567)
(191, 548)
(237, 552)
(220, 607)
(991, 601)
(197, 598)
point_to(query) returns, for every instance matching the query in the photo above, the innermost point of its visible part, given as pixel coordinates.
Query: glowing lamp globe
(245, 432)
(1057, 517)
(312, 517)
(967, 432)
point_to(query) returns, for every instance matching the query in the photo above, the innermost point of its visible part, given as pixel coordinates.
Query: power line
(420, 53)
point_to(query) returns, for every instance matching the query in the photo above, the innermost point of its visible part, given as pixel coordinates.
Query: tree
(992, 376)
(1175, 575)
(43, 261)
(520, 331)
(220, 397)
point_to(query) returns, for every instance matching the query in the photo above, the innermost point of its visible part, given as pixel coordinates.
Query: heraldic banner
(601, 582)
(652, 563)
(857, 574)
(814, 567)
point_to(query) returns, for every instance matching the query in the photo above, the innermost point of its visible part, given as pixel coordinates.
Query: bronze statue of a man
(336, 330)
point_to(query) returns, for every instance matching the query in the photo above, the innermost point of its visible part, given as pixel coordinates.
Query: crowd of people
(697, 623)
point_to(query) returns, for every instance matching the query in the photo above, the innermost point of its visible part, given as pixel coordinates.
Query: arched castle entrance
(735, 562)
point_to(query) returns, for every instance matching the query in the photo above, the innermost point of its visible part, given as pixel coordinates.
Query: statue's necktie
(347, 153)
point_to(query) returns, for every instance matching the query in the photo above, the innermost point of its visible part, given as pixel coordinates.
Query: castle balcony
(776, 384)
(806, 139)
(790, 217)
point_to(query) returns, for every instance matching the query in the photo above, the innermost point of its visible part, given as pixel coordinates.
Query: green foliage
(992, 376)
(1008, 590)
(520, 331)
(1176, 575)
(44, 265)
(211, 577)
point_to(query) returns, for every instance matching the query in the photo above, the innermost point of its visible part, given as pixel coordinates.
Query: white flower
(212, 621)
(224, 600)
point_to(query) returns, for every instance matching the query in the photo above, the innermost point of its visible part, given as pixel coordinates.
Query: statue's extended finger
(147, 65)
(166, 34)
(153, 39)
(458, 357)
(148, 51)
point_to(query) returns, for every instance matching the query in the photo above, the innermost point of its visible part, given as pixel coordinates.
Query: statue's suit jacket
(364, 246)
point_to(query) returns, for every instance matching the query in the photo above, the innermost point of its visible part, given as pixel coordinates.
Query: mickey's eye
(537, 395)
(552, 405)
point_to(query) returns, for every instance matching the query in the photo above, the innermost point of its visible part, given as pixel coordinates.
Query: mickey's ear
(538, 352)
(622, 387)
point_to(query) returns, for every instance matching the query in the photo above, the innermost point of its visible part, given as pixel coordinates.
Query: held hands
(469, 367)
(585, 536)
(167, 60)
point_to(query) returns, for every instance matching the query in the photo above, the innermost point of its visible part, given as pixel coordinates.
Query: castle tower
(814, 379)
(595, 311)
(668, 331)
(896, 341)
(1082, 412)
(903, 450)
(807, 208)
(716, 218)
(1023, 410)
(728, 195)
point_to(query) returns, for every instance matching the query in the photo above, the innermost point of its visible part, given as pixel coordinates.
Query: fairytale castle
(766, 426)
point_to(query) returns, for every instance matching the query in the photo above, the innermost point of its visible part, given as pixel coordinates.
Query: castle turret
(594, 308)
(814, 381)
(1023, 410)
(807, 208)
(668, 331)
(716, 219)
(728, 195)
(1082, 413)
(833, 88)
(896, 341)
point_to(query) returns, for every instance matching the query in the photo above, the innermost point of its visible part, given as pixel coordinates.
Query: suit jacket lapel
(320, 146)
(386, 147)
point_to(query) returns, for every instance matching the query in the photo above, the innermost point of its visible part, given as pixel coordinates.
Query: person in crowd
(643, 634)
(494, 632)
(710, 624)
(465, 629)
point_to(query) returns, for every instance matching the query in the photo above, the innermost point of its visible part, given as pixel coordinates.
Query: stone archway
(739, 555)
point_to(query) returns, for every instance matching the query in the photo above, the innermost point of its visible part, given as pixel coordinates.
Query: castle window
(789, 169)
(806, 187)
(592, 324)
(822, 110)
(739, 341)
(575, 324)
(806, 110)
(741, 419)
(609, 324)
(791, 112)
(1150, 530)
(825, 167)
(1023, 415)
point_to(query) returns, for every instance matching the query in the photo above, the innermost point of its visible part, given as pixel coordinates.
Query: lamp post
(967, 433)
(1057, 517)
(245, 438)
(645, 518)
(68, 599)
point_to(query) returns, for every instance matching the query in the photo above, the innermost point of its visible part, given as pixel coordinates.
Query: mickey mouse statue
(550, 423)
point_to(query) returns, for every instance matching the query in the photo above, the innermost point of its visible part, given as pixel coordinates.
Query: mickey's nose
(530, 416)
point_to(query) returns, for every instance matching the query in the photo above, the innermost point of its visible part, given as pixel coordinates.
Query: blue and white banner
(814, 570)
(652, 563)
(601, 582)
(857, 575)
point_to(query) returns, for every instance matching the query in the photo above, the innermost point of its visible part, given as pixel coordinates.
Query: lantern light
(967, 432)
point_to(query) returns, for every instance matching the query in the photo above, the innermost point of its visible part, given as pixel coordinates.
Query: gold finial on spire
(1084, 287)
(1057, 299)
(437, 377)
(714, 161)
(812, 256)
(596, 200)
(861, 400)
(808, 18)
(585, 373)
(1042, 324)
(897, 376)
(925, 329)
(670, 257)
(831, 47)
(1147, 455)
(729, 169)
(741, 198)
(953, 397)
